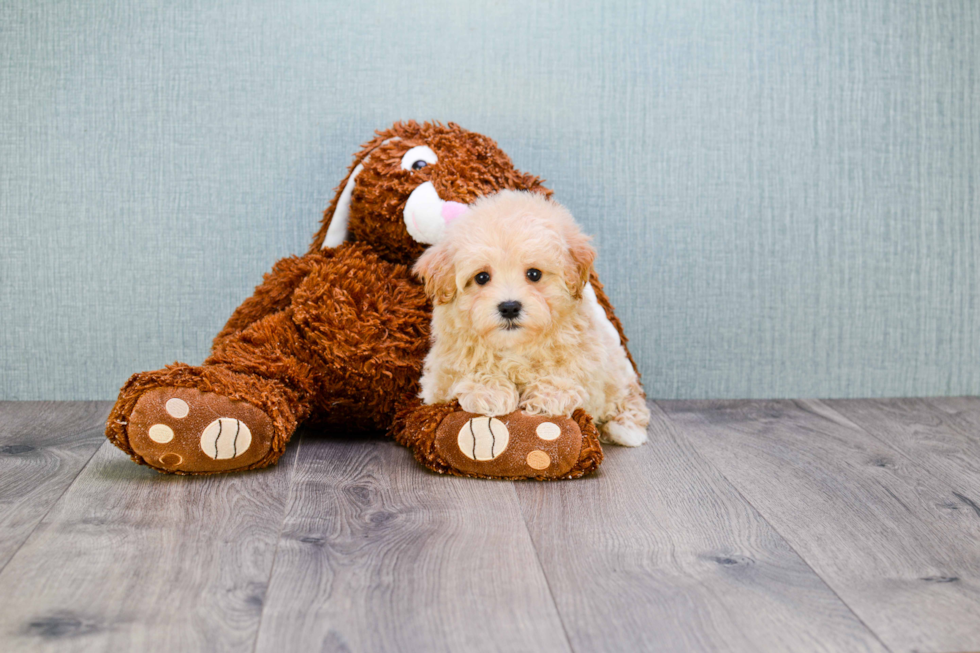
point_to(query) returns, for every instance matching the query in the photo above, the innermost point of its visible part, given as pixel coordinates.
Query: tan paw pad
(548, 431)
(483, 438)
(177, 408)
(225, 437)
(170, 460)
(538, 459)
(161, 433)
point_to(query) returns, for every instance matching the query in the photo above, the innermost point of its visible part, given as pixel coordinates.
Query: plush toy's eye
(418, 157)
(533, 274)
(482, 278)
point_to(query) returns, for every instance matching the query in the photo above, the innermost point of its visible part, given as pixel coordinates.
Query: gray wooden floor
(741, 526)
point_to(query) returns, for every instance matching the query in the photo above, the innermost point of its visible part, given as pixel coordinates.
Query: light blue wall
(784, 193)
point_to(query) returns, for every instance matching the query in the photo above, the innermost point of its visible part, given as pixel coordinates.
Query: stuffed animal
(337, 336)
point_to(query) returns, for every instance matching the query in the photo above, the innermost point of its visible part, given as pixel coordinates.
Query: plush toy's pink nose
(452, 210)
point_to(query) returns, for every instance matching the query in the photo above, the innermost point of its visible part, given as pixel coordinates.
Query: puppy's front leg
(552, 396)
(487, 396)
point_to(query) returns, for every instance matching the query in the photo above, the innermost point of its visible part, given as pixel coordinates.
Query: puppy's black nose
(509, 310)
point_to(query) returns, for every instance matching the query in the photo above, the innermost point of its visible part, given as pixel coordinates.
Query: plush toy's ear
(337, 231)
(582, 256)
(535, 184)
(435, 268)
(333, 227)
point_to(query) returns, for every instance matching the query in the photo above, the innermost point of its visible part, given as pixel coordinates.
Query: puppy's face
(511, 295)
(509, 270)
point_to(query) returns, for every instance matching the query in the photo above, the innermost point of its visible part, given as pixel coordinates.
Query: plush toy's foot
(185, 430)
(515, 446)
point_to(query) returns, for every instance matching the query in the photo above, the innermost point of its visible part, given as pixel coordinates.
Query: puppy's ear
(435, 269)
(582, 255)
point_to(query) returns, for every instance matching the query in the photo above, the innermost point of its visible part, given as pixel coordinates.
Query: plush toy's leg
(234, 412)
(516, 446)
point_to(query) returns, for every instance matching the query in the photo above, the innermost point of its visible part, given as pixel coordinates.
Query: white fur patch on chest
(609, 333)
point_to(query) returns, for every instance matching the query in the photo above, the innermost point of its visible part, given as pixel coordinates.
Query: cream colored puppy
(516, 324)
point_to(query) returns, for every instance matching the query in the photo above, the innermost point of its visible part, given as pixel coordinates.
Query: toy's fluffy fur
(558, 354)
(338, 335)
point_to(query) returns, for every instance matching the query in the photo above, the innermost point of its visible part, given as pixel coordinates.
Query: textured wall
(784, 194)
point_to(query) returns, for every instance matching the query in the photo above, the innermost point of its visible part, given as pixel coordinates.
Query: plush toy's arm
(272, 295)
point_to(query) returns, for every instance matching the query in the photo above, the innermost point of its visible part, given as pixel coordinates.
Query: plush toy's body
(338, 336)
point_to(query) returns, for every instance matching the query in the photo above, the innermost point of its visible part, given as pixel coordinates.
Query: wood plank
(133, 560)
(876, 526)
(658, 552)
(43, 446)
(940, 434)
(378, 554)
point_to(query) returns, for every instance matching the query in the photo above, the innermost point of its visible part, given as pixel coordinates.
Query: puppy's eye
(482, 278)
(418, 165)
(533, 274)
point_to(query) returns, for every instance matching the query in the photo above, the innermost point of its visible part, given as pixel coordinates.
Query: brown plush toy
(338, 336)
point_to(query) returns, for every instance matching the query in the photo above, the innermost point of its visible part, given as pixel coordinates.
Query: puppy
(516, 324)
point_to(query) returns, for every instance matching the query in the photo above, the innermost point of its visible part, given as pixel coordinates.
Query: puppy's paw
(544, 398)
(625, 434)
(487, 399)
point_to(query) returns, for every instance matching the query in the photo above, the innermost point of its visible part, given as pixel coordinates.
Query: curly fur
(554, 357)
(339, 335)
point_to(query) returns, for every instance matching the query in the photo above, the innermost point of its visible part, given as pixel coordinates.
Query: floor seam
(544, 574)
(858, 426)
(53, 504)
(738, 491)
(275, 553)
(808, 565)
(938, 474)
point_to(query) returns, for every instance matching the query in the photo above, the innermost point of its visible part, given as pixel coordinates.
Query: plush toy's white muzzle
(426, 214)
